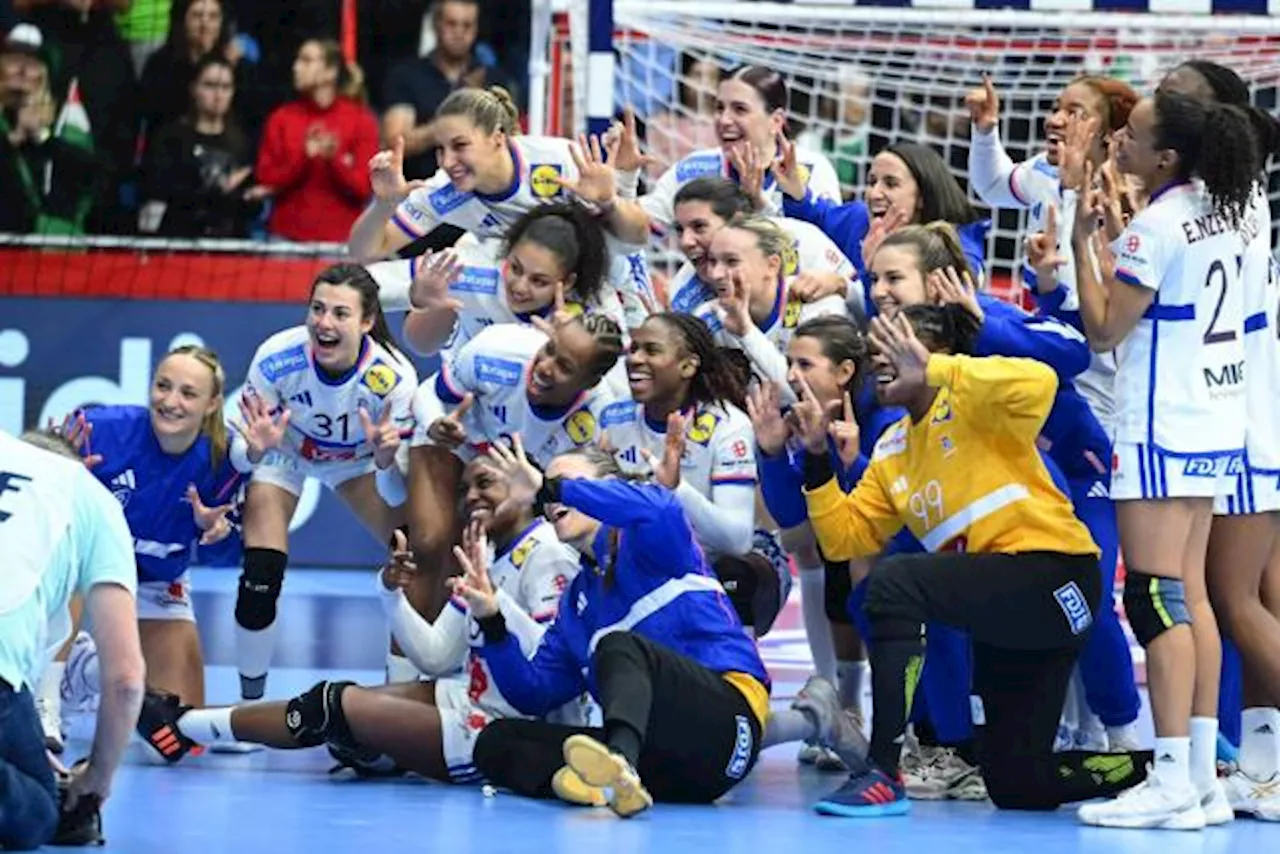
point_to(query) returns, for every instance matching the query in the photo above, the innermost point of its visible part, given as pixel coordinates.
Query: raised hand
(1111, 203)
(810, 421)
(813, 285)
(474, 585)
(261, 430)
(750, 167)
(436, 273)
(622, 145)
(1075, 151)
(950, 288)
(791, 178)
(897, 342)
(448, 431)
(386, 174)
(523, 479)
(382, 436)
(212, 521)
(984, 105)
(666, 471)
(401, 570)
(597, 181)
(765, 409)
(560, 313)
(1042, 253)
(881, 228)
(844, 432)
(77, 430)
(735, 305)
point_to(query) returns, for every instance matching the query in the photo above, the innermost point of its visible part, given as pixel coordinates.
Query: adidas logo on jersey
(302, 397)
(630, 455)
(1098, 490)
(489, 222)
(124, 480)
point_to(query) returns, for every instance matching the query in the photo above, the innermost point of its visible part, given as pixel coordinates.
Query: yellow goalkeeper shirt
(966, 477)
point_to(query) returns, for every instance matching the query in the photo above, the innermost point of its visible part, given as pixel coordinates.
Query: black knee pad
(260, 584)
(835, 592)
(1154, 605)
(754, 597)
(316, 717)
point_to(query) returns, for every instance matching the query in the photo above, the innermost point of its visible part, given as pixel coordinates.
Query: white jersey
(1035, 186)
(1180, 383)
(719, 455)
(812, 252)
(324, 411)
(1261, 279)
(61, 533)
(660, 202)
(494, 368)
(481, 288)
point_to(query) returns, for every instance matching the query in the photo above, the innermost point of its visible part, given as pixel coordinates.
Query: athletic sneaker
(1216, 806)
(158, 726)
(837, 729)
(869, 794)
(1123, 739)
(51, 724)
(947, 776)
(599, 766)
(1247, 795)
(809, 752)
(365, 763)
(1150, 805)
(571, 789)
(81, 826)
(79, 690)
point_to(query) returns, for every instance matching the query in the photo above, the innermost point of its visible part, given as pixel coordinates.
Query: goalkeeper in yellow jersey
(1007, 561)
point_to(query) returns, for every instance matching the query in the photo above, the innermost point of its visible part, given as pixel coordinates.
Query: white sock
(1173, 762)
(1123, 738)
(817, 627)
(253, 652)
(850, 677)
(788, 725)
(50, 688)
(400, 669)
(1204, 753)
(207, 726)
(1260, 743)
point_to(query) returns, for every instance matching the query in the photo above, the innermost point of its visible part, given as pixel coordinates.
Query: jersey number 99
(926, 504)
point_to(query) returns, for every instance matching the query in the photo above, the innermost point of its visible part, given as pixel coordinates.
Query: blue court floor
(286, 801)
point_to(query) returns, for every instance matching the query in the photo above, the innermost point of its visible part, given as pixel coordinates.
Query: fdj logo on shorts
(1076, 608)
(1215, 466)
(741, 757)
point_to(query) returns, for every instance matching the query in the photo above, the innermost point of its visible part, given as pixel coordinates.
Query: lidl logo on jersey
(791, 315)
(490, 369)
(380, 379)
(477, 280)
(702, 428)
(522, 552)
(943, 413)
(791, 259)
(543, 180)
(581, 427)
(285, 362)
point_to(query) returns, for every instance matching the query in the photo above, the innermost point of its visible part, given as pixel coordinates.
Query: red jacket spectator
(315, 153)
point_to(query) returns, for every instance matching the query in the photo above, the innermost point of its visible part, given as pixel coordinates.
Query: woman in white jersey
(543, 382)
(552, 258)
(704, 205)
(330, 399)
(427, 727)
(682, 384)
(755, 308)
(751, 113)
(1169, 301)
(1244, 543)
(489, 176)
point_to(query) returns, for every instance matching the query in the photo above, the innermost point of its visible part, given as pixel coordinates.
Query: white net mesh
(861, 78)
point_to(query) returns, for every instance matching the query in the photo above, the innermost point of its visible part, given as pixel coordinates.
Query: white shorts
(290, 473)
(1145, 472)
(166, 600)
(460, 724)
(1248, 492)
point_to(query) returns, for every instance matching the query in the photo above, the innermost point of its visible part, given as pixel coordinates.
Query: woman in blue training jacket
(645, 627)
(907, 184)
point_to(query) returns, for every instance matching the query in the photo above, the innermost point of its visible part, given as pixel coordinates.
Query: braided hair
(717, 379)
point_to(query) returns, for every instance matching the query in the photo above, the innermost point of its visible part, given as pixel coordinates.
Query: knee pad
(835, 593)
(750, 586)
(1154, 605)
(316, 717)
(260, 584)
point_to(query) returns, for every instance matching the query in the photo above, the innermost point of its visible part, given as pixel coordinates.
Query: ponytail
(350, 75)
(571, 233)
(936, 244)
(717, 380)
(214, 426)
(490, 110)
(1215, 142)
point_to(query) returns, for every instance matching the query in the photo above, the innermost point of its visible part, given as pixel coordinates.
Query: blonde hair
(488, 109)
(770, 237)
(350, 75)
(936, 244)
(213, 424)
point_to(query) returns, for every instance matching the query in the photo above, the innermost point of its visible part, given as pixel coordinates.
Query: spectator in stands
(673, 133)
(315, 152)
(49, 182)
(843, 125)
(145, 27)
(415, 88)
(197, 176)
(196, 28)
(83, 47)
(22, 69)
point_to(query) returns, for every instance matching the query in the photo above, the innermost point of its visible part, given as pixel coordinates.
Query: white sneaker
(809, 753)
(51, 724)
(79, 692)
(1148, 806)
(1123, 739)
(1216, 806)
(917, 771)
(1247, 795)
(947, 776)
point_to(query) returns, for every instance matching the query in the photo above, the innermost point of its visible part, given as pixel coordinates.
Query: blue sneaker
(867, 794)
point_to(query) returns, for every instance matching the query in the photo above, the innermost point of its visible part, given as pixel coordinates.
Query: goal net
(861, 78)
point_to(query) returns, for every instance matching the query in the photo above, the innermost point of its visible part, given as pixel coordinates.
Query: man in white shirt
(61, 533)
